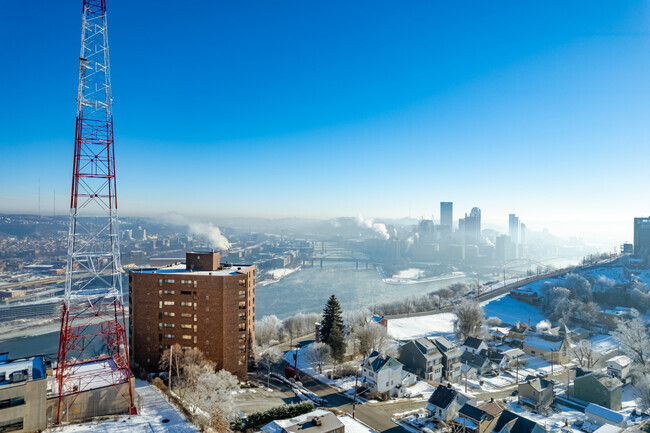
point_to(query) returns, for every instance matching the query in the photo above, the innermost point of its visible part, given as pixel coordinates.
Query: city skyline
(514, 109)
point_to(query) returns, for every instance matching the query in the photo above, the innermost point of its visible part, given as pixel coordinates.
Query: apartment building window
(242, 283)
(160, 292)
(160, 326)
(242, 294)
(168, 303)
(196, 328)
(11, 425)
(242, 305)
(242, 338)
(160, 315)
(169, 314)
(195, 318)
(186, 315)
(242, 326)
(242, 316)
(160, 281)
(186, 337)
(169, 292)
(184, 326)
(168, 336)
(195, 340)
(186, 347)
(186, 292)
(12, 402)
(186, 304)
(168, 325)
(242, 349)
(194, 282)
(207, 298)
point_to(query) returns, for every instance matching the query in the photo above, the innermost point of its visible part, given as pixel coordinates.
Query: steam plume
(379, 228)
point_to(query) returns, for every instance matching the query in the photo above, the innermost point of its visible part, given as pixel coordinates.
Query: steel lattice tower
(93, 350)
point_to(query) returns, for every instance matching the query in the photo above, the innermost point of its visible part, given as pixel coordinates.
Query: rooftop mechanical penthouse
(201, 304)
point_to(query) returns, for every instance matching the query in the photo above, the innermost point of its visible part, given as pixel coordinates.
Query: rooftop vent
(317, 420)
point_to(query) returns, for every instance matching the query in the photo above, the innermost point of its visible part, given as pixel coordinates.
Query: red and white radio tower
(93, 350)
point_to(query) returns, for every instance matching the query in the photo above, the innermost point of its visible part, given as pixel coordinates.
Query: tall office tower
(522, 234)
(92, 344)
(470, 227)
(447, 215)
(503, 248)
(513, 228)
(199, 304)
(642, 238)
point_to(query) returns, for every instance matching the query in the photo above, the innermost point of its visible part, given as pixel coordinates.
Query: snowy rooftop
(34, 368)
(603, 412)
(542, 343)
(329, 422)
(621, 360)
(91, 375)
(181, 268)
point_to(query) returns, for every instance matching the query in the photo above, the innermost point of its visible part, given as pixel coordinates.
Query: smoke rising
(369, 223)
(211, 233)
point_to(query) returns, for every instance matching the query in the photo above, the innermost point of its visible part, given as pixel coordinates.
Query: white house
(598, 415)
(384, 374)
(473, 345)
(619, 366)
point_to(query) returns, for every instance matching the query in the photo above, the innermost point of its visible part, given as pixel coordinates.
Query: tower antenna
(92, 345)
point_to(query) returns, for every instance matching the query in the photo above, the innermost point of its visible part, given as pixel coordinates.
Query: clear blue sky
(328, 108)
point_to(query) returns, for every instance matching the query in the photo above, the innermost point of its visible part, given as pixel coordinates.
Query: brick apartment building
(199, 304)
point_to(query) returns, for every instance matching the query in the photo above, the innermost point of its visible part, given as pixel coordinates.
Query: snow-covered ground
(603, 344)
(554, 420)
(421, 326)
(410, 274)
(276, 275)
(343, 384)
(354, 426)
(511, 311)
(157, 415)
(421, 388)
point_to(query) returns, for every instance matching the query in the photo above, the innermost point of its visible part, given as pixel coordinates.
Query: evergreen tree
(337, 343)
(332, 316)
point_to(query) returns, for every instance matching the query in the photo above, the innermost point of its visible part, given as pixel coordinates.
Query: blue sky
(329, 108)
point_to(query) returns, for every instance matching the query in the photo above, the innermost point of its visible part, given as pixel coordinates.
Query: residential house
(619, 367)
(317, 421)
(598, 415)
(498, 360)
(473, 345)
(537, 393)
(445, 402)
(450, 358)
(509, 422)
(499, 333)
(611, 317)
(383, 374)
(474, 364)
(492, 408)
(421, 357)
(604, 391)
(515, 357)
(472, 419)
(518, 332)
(380, 320)
(23, 389)
(550, 348)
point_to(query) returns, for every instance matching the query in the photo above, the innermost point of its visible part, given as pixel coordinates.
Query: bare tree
(318, 354)
(267, 330)
(371, 336)
(633, 336)
(585, 355)
(210, 392)
(469, 319)
(268, 358)
(493, 321)
(173, 356)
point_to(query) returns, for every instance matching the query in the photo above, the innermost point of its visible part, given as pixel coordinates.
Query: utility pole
(517, 359)
(466, 372)
(171, 351)
(354, 402)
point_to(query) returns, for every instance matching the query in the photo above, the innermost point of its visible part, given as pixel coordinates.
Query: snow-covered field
(276, 275)
(157, 415)
(410, 274)
(511, 311)
(421, 326)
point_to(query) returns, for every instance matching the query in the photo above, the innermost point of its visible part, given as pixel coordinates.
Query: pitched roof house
(472, 419)
(475, 364)
(450, 358)
(423, 358)
(509, 422)
(536, 393)
(384, 374)
(473, 345)
(445, 402)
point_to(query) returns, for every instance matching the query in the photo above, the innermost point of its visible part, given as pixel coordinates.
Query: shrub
(281, 412)
(158, 383)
